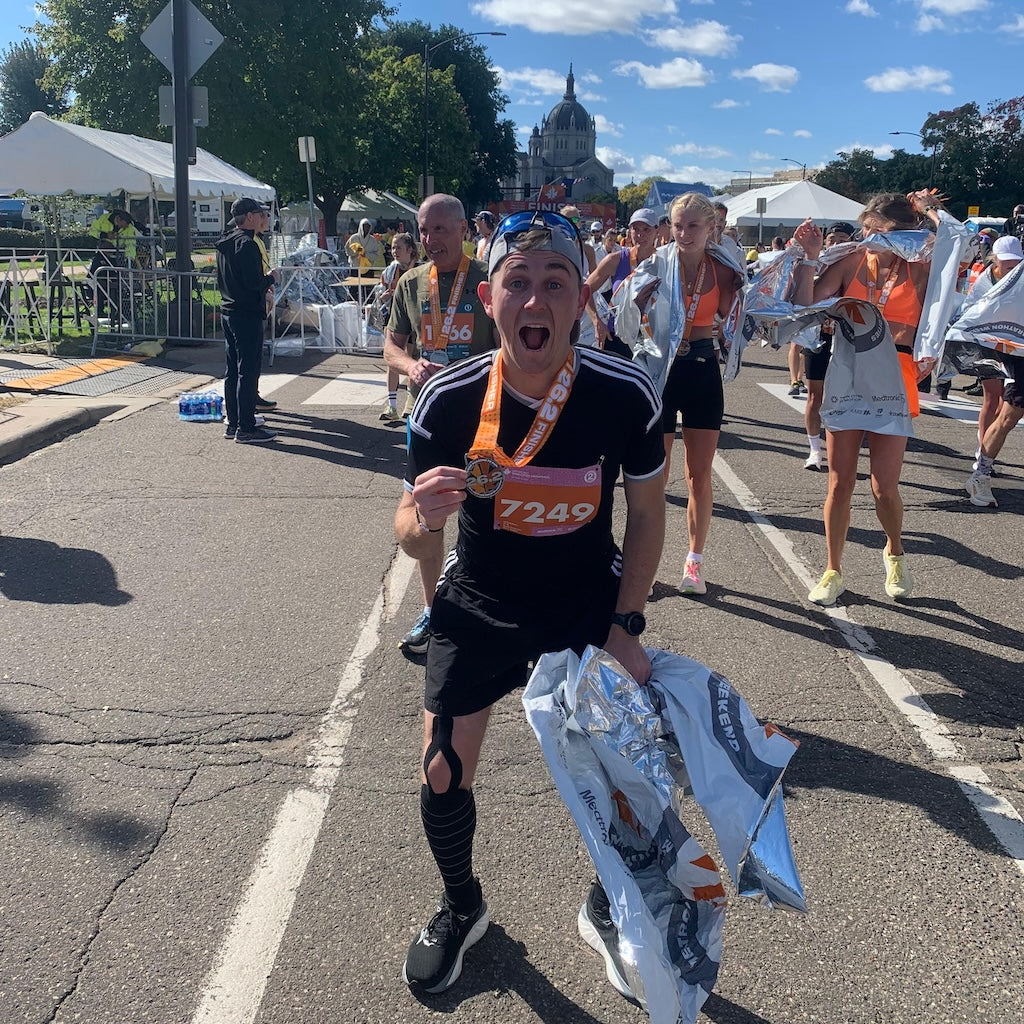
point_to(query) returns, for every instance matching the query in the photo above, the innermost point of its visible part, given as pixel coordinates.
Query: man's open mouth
(533, 336)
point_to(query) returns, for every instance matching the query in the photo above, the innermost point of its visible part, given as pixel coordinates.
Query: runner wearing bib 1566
(438, 314)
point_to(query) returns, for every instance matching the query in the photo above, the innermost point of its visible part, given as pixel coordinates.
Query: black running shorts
(694, 389)
(816, 363)
(1013, 393)
(481, 649)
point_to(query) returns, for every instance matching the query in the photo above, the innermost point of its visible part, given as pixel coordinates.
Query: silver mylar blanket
(624, 758)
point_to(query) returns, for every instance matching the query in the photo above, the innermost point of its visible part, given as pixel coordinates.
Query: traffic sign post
(307, 154)
(182, 39)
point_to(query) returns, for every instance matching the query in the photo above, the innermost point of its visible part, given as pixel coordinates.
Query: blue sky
(714, 89)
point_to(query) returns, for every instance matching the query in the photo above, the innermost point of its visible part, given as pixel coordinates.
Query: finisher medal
(484, 477)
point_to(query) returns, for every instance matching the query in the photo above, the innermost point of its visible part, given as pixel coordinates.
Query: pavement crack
(142, 860)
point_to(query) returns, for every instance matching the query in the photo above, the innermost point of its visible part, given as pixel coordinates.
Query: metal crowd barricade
(132, 304)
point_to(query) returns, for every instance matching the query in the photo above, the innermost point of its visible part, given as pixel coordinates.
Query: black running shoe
(229, 432)
(597, 930)
(265, 404)
(434, 960)
(258, 436)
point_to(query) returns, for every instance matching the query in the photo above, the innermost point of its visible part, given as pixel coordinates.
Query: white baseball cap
(645, 216)
(1007, 248)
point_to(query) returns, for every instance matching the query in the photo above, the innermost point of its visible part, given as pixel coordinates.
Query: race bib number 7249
(542, 502)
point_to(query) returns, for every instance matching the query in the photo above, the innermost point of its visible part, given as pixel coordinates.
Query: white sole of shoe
(588, 933)
(822, 603)
(981, 502)
(476, 933)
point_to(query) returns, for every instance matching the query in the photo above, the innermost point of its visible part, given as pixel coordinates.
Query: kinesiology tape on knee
(441, 743)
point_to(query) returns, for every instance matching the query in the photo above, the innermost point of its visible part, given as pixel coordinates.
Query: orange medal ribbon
(441, 329)
(486, 459)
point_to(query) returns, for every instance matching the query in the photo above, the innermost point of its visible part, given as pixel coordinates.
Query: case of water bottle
(201, 408)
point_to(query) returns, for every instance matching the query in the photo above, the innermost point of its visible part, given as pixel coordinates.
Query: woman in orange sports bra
(897, 288)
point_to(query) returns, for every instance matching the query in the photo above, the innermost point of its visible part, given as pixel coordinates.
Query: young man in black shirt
(525, 444)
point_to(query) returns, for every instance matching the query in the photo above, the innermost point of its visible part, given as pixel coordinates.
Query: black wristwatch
(632, 622)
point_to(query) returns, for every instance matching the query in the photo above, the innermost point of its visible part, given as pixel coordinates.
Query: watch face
(632, 622)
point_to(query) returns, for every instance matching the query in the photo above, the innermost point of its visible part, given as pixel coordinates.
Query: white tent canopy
(789, 204)
(48, 158)
(378, 206)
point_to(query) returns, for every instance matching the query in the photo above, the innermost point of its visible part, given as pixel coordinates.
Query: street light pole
(427, 51)
(803, 167)
(750, 178)
(931, 173)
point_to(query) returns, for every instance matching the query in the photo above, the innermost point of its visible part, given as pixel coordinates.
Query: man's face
(482, 227)
(836, 238)
(719, 222)
(442, 235)
(535, 298)
(256, 220)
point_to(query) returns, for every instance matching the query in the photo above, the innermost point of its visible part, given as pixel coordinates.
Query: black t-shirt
(611, 421)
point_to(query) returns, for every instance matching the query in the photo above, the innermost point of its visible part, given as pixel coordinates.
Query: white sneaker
(898, 583)
(693, 578)
(814, 461)
(979, 490)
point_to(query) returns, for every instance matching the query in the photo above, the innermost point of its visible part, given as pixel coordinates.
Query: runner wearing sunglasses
(520, 445)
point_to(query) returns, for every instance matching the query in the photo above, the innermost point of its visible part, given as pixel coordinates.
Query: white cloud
(572, 17)
(705, 38)
(928, 23)
(692, 149)
(921, 79)
(772, 77)
(882, 152)
(620, 162)
(531, 80)
(954, 7)
(861, 7)
(674, 74)
(756, 154)
(802, 133)
(591, 79)
(773, 131)
(592, 97)
(524, 129)
(1014, 27)
(606, 127)
(726, 104)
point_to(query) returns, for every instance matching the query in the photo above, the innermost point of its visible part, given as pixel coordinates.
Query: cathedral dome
(569, 114)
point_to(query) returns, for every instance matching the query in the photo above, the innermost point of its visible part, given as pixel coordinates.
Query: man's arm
(641, 553)
(425, 509)
(419, 371)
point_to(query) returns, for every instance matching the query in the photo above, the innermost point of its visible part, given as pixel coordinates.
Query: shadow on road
(824, 763)
(724, 1011)
(31, 795)
(42, 571)
(339, 442)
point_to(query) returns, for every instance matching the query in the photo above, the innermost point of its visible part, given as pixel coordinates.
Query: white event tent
(45, 157)
(788, 205)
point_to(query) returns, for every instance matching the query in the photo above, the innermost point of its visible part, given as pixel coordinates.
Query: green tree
(22, 67)
(1003, 175)
(284, 70)
(633, 196)
(856, 174)
(962, 138)
(492, 156)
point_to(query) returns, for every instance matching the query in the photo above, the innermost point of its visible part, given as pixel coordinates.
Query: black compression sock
(449, 823)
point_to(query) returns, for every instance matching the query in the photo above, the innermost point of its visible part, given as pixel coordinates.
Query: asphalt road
(209, 740)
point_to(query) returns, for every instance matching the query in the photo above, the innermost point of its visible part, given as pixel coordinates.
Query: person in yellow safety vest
(115, 230)
(116, 235)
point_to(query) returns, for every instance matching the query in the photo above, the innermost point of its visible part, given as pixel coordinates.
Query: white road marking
(351, 389)
(781, 392)
(269, 383)
(998, 814)
(234, 990)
